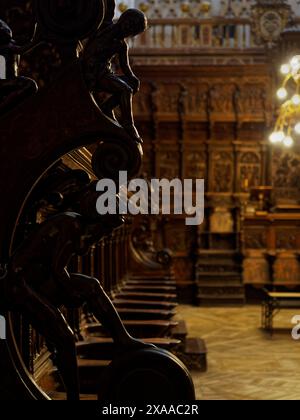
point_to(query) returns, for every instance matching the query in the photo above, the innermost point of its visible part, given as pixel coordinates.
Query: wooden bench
(162, 297)
(149, 289)
(103, 348)
(147, 304)
(273, 303)
(138, 329)
(130, 314)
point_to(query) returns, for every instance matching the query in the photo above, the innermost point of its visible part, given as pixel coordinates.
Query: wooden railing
(197, 33)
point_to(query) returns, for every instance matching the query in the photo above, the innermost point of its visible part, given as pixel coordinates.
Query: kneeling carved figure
(38, 284)
(109, 43)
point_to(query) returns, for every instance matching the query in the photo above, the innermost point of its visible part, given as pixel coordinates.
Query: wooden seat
(180, 331)
(148, 304)
(137, 328)
(195, 351)
(147, 296)
(145, 314)
(149, 289)
(102, 348)
(151, 278)
(151, 283)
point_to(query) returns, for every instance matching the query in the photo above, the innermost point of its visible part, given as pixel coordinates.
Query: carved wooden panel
(142, 103)
(221, 221)
(241, 99)
(222, 102)
(197, 102)
(210, 122)
(249, 170)
(222, 171)
(286, 239)
(256, 269)
(251, 100)
(169, 94)
(195, 166)
(255, 238)
(286, 175)
(168, 163)
(287, 269)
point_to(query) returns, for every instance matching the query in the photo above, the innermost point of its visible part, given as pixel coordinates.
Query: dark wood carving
(31, 143)
(286, 175)
(222, 164)
(208, 122)
(145, 249)
(97, 66)
(250, 170)
(37, 284)
(36, 133)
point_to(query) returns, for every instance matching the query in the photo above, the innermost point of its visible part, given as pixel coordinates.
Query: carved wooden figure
(97, 64)
(38, 284)
(35, 133)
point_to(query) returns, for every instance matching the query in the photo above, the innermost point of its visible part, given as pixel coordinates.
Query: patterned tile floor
(245, 363)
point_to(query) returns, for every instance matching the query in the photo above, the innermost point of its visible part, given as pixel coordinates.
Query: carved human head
(131, 23)
(5, 33)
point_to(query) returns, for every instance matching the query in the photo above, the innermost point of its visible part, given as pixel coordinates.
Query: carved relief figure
(167, 98)
(196, 165)
(142, 104)
(38, 284)
(13, 88)
(251, 99)
(223, 172)
(183, 101)
(198, 99)
(269, 19)
(271, 25)
(107, 44)
(222, 98)
(286, 174)
(250, 171)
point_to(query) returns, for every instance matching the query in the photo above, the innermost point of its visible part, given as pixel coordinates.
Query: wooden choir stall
(83, 320)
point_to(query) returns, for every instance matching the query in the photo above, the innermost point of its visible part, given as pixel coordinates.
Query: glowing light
(282, 93)
(295, 61)
(296, 100)
(295, 65)
(285, 69)
(287, 127)
(297, 128)
(288, 141)
(277, 137)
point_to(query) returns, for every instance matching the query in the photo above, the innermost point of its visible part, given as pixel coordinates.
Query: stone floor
(245, 363)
